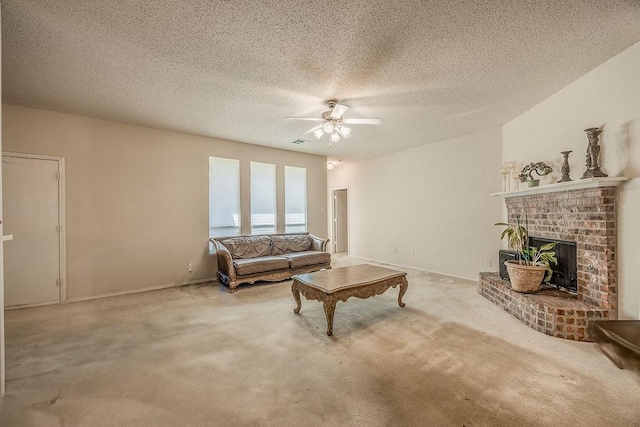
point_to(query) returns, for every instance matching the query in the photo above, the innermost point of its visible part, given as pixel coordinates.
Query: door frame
(62, 235)
(332, 194)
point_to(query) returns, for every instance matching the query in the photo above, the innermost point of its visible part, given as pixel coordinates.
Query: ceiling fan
(332, 123)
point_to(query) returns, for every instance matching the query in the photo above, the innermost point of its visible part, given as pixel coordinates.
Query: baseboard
(137, 291)
(38, 304)
(415, 268)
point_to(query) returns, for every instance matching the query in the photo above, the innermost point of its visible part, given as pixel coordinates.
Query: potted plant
(540, 168)
(526, 273)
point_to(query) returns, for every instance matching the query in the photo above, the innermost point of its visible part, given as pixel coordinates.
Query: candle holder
(505, 179)
(516, 180)
(593, 152)
(507, 167)
(565, 167)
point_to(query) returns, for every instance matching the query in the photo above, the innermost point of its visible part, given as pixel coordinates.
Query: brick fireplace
(581, 211)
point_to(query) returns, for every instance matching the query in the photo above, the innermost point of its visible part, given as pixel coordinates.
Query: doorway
(340, 221)
(33, 202)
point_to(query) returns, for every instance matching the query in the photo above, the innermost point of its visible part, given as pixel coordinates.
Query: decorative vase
(533, 182)
(565, 167)
(593, 152)
(525, 278)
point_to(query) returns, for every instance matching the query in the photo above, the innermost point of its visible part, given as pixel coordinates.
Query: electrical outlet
(487, 263)
(190, 267)
(413, 252)
(394, 250)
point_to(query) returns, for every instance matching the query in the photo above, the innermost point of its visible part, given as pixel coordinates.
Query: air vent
(299, 141)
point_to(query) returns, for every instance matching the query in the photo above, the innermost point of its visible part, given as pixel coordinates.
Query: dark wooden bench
(620, 341)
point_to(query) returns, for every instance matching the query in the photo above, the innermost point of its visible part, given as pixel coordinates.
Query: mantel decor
(593, 152)
(540, 168)
(566, 169)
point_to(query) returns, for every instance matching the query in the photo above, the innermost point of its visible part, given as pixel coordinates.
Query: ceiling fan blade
(311, 119)
(311, 130)
(338, 110)
(362, 121)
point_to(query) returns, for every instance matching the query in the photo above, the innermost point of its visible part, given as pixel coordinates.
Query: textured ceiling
(431, 70)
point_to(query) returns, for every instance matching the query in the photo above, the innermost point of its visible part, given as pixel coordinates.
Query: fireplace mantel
(565, 186)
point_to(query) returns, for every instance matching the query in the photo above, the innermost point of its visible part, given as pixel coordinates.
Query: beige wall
(433, 200)
(607, 96)
(137, 197)
(2, 356)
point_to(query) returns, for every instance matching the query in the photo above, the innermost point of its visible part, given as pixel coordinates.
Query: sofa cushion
(301, 259)
(260, 265)
(248, 247)
(292, 243)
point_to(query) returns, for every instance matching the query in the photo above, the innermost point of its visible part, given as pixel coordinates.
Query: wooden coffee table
(338, 284)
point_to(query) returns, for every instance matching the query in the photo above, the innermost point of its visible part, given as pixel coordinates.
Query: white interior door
(340, 221)
(32, 215)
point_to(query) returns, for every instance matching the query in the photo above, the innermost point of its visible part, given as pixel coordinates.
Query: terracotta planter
(525, 278)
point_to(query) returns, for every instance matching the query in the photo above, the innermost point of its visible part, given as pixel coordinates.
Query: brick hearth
(550, 311)
(586, 216)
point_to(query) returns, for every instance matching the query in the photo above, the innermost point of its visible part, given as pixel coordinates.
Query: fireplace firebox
(565, 272)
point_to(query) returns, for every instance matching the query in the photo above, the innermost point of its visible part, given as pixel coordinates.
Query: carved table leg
(403, 288)
(329, 305)
(296, 296)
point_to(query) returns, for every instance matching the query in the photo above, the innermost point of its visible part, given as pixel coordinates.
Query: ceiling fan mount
(332, 122)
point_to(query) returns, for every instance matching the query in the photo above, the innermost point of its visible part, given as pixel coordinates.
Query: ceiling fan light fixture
(344, 131)
(328, 127)
(331, 122)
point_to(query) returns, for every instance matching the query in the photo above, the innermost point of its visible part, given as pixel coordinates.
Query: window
(263, 198)
(224, 197)
(295, 199)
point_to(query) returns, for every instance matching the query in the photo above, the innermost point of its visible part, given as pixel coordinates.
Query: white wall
(607, 96)
(137, 203)
(433, 200)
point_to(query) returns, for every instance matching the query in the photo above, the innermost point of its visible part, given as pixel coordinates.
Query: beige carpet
(198, 355)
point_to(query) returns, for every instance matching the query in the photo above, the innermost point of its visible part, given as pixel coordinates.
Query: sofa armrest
(225, 262)
(318, 244)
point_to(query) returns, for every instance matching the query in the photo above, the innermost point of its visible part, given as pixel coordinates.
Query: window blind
(295, 199)
(224, 197)
(263, 198)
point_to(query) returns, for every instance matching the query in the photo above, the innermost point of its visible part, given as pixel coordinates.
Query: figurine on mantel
(593, 151)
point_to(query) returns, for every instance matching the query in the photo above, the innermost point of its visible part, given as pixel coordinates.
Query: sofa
(274, 257)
